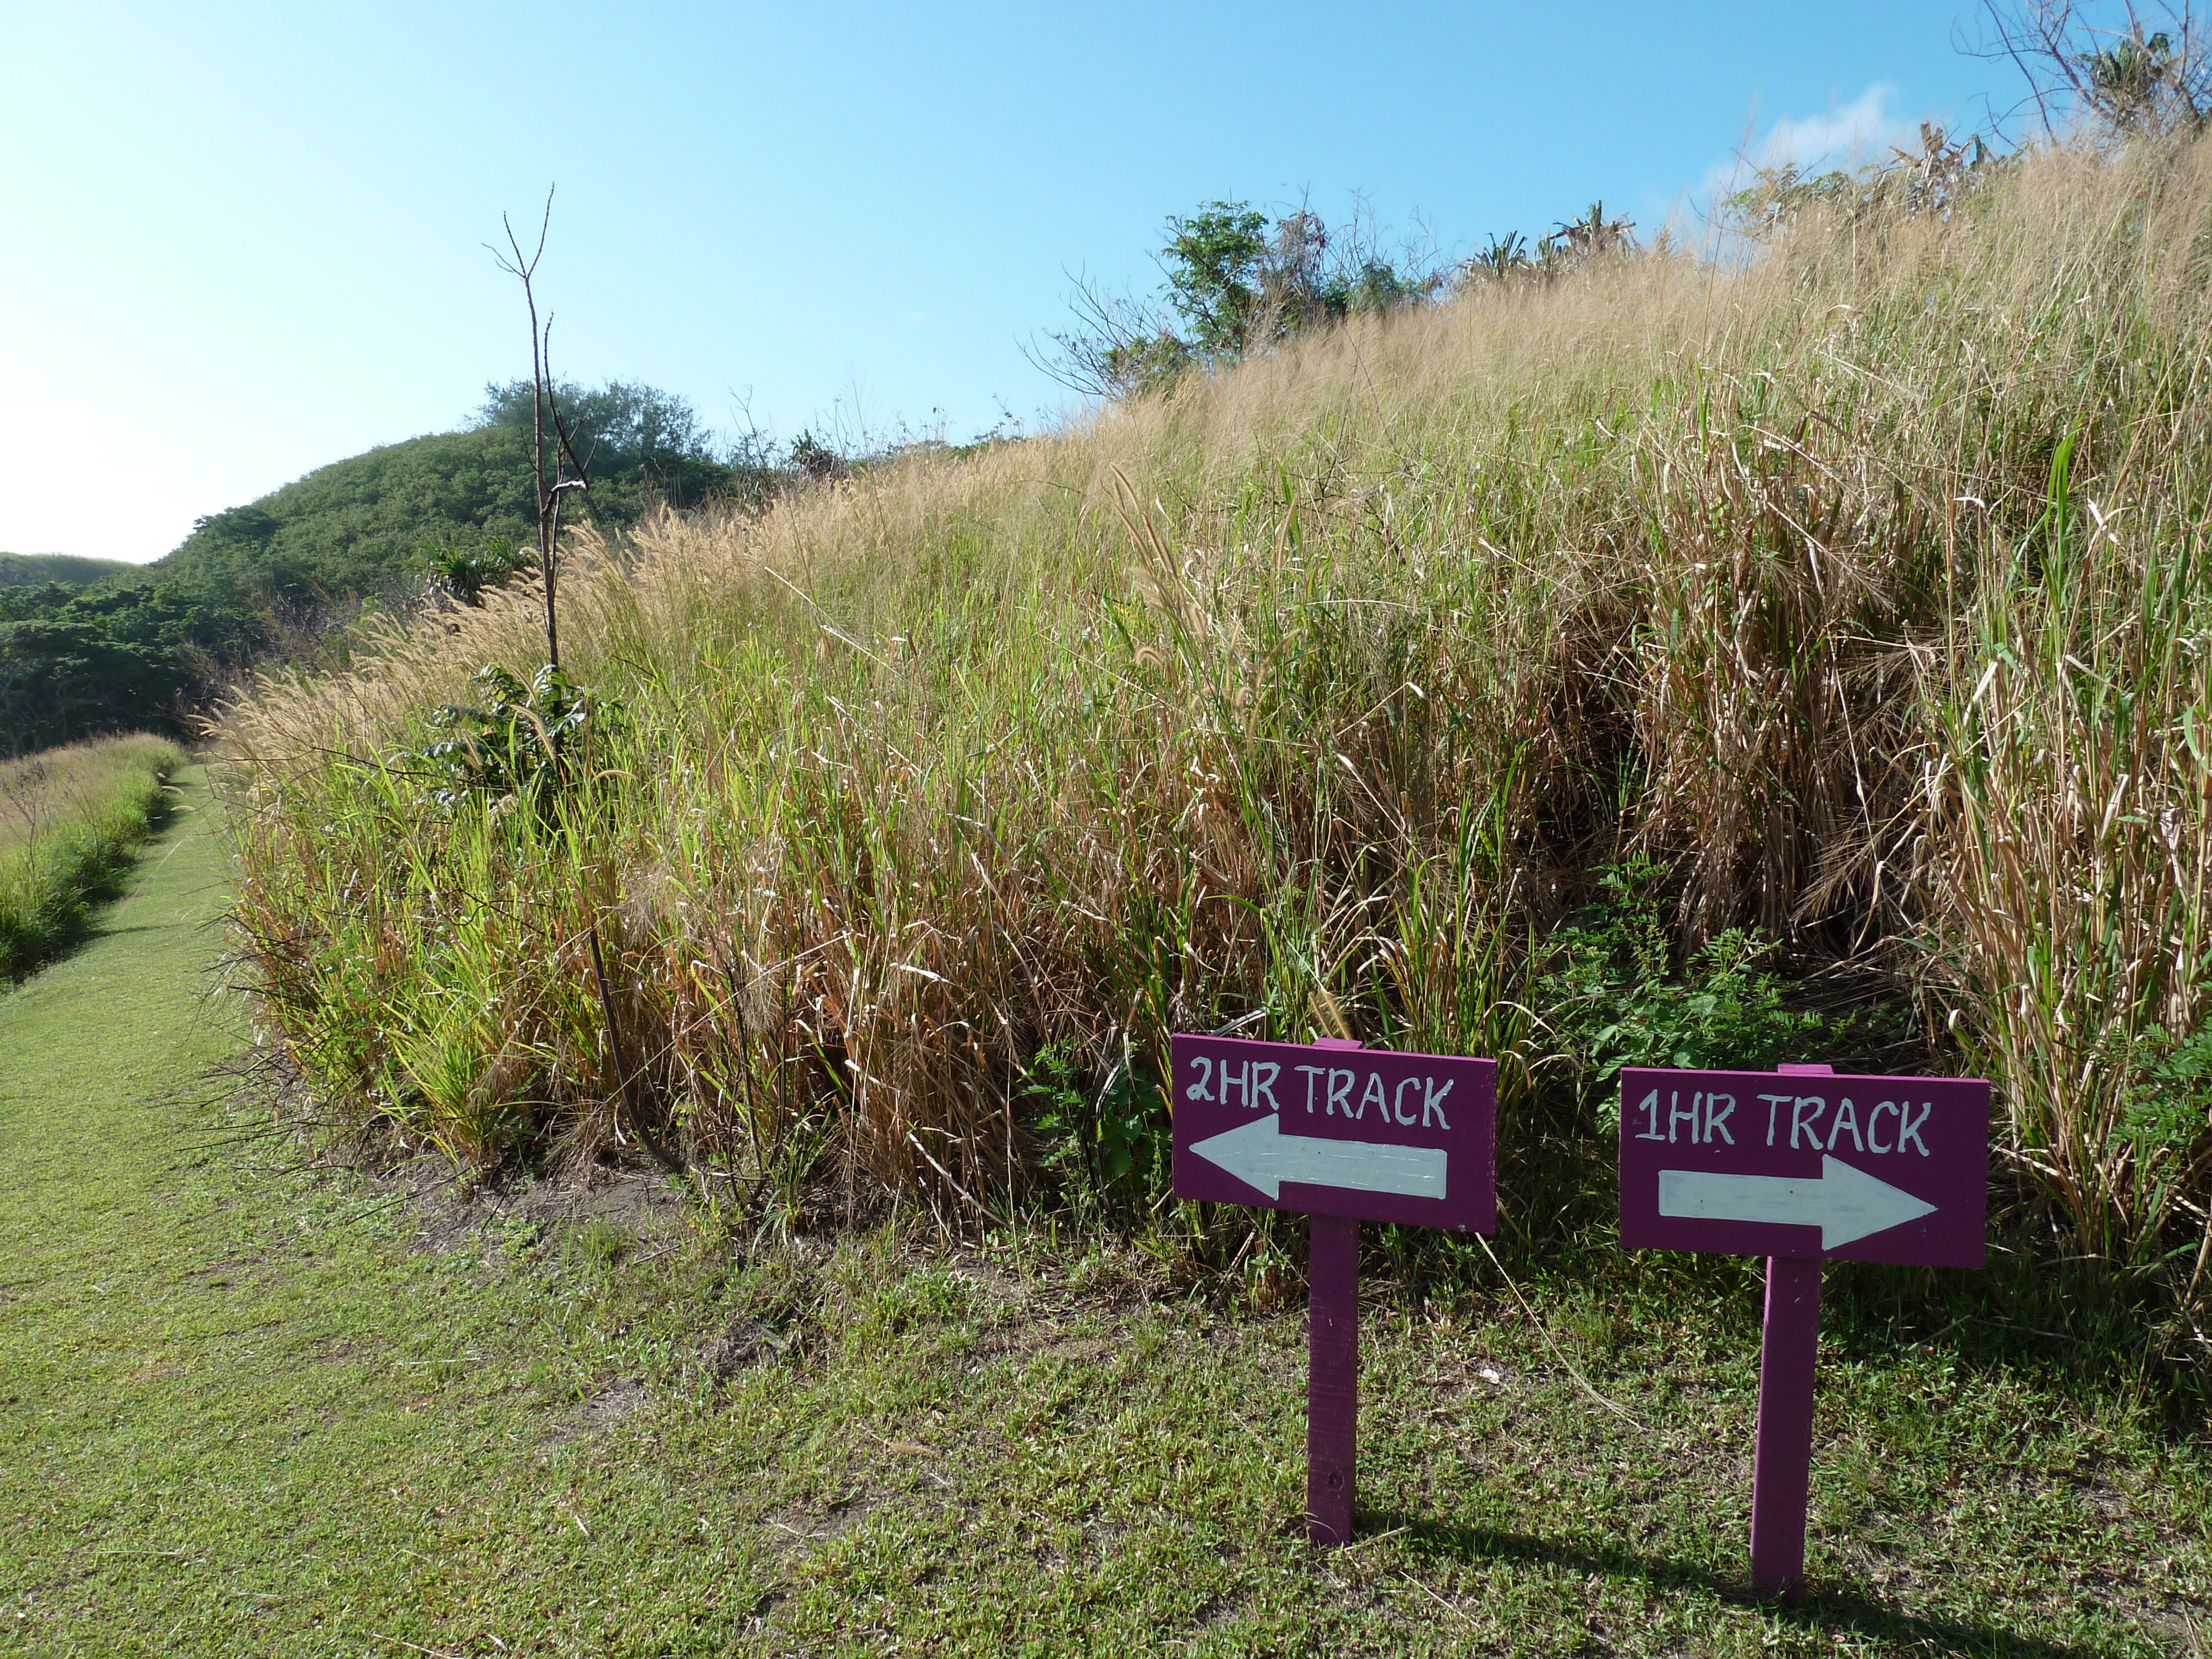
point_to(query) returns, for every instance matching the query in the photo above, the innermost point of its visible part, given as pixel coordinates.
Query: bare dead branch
(523, 268)
(2128, 69)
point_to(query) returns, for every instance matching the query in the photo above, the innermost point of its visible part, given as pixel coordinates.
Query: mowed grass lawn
(252, 1407)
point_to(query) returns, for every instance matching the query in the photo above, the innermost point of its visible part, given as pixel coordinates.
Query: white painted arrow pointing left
(1846, 1204)
(1260, 1155)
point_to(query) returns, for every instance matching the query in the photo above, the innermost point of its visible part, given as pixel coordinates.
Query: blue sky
(248, 240)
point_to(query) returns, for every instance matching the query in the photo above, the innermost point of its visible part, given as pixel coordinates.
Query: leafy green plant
(1501, 255)
(517, 743)
(467, 571)
(1593, 236)
(810, 457)
(1215, 262)
(1106, 1146)
(2170, 1108)
(1612, 995)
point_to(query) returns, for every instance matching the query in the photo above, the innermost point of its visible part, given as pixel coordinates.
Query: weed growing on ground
(1613, 996)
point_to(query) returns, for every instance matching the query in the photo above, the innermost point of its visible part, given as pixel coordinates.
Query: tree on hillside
(1236, 282)
(1240, 282)
(2131, 69)
(1215, 268)
(622, 426)
(74, 663)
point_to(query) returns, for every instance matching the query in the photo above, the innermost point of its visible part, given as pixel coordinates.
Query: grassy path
(250, 1410)
(234, 1419)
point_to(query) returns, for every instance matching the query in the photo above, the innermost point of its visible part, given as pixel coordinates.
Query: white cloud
(1860, 130)
(1849, 134)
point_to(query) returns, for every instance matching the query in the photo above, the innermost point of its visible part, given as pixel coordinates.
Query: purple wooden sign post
(1782, 1458)
(1800, 1166)
(1345, 1134)
(1332, 1376)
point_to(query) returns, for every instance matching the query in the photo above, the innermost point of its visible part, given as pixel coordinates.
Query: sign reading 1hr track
(1806, 1165)
(1344, 1134)
(1800, 1166)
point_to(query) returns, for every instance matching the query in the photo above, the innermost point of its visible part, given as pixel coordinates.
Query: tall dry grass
(70, 818)
(1860, 585)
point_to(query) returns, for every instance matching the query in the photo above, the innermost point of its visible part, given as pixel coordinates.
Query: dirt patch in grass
(631, 1198)
(610, 1404)
(633, 1201)
(746, 1343)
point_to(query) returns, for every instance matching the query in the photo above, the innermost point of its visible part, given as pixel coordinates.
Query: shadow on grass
(1822, 1611)
(2085, 1327)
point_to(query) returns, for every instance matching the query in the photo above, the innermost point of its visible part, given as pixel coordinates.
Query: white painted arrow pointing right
(1846, 1203)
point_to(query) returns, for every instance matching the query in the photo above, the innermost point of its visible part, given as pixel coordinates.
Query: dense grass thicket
(70, 821)
(1803, 658)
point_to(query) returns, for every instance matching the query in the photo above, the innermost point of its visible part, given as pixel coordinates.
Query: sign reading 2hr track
(1344, 1134)
(1806, 1165)
(1337, 1130)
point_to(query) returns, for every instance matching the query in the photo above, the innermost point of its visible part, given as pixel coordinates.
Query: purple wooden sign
(1346, 1135)
(1801, 1165)
(1812, 1165)
(1335, 1130)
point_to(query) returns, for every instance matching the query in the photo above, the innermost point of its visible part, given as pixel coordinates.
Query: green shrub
(1612, 996)
(466, 571)
(1106, 1143)
(517, 743)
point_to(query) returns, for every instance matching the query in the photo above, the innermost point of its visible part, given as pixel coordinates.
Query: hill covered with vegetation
(1629, 659)
(88, 646)
(37, 569)
(365, 525)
